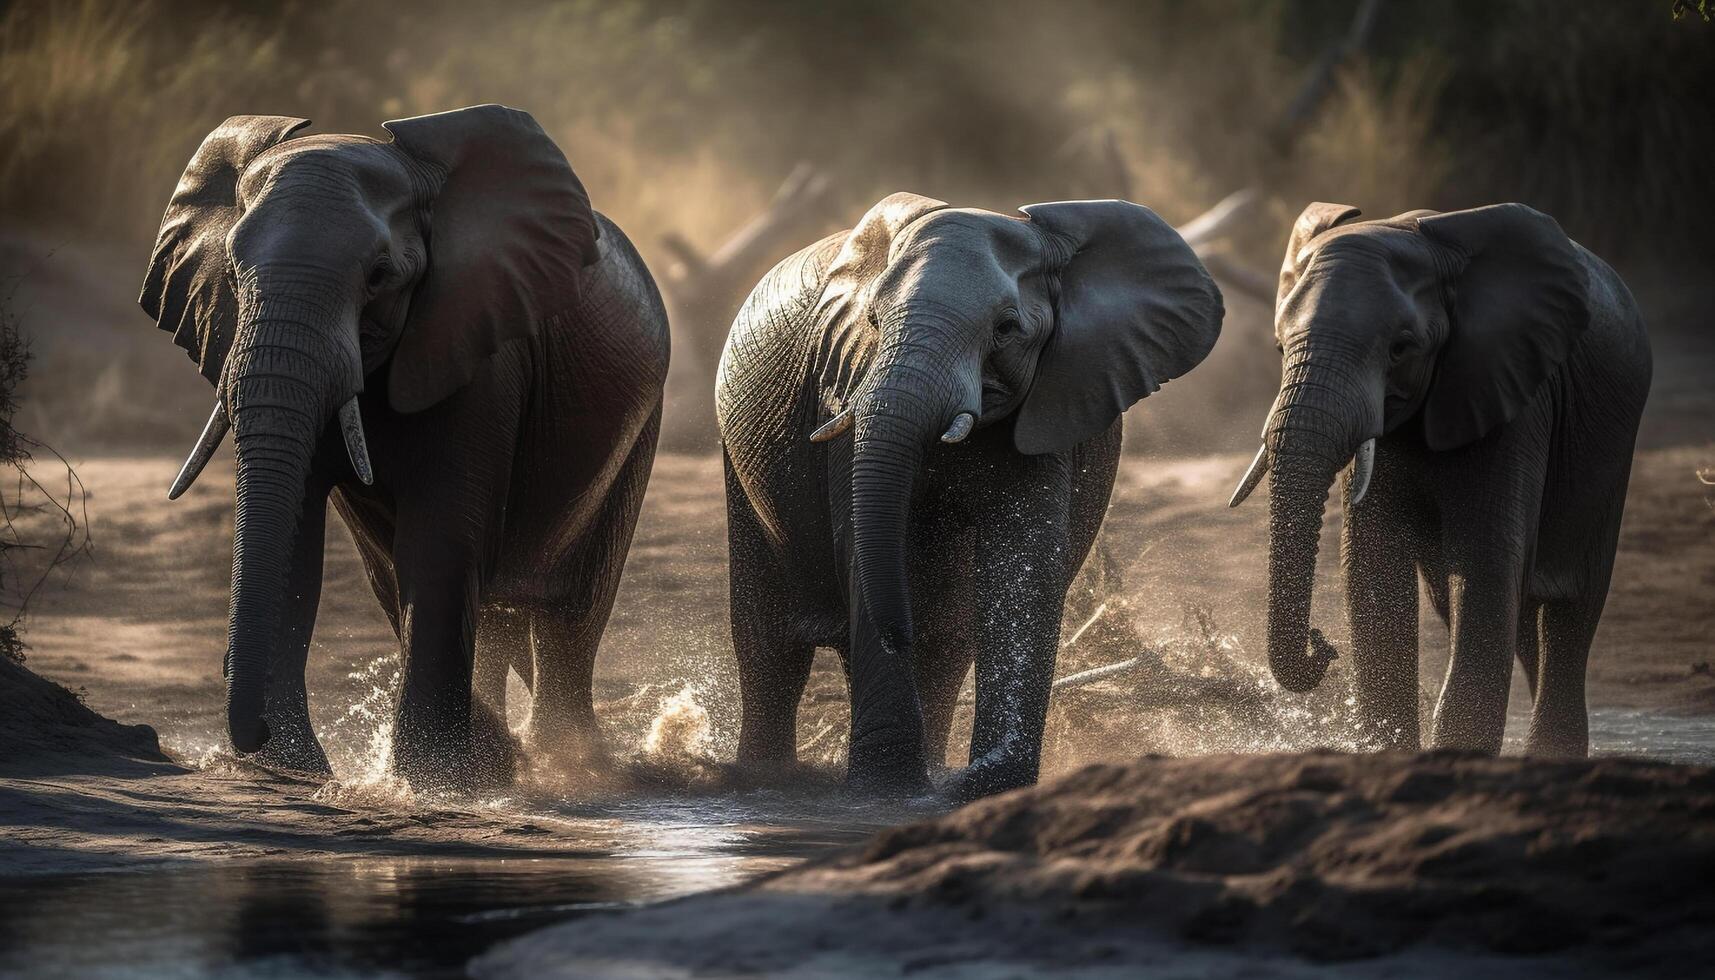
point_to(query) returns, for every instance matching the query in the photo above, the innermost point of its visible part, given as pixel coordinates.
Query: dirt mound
(1395, 864)
(45, 728)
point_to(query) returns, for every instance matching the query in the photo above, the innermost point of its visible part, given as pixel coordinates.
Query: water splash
(680, 730)
(360, 740)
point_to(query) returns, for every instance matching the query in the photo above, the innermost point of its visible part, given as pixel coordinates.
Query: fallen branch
(1259, 286)
(1094, 674)
(1218, 222)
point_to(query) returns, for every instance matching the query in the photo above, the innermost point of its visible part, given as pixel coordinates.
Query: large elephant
(921, 424)
(441, 333)
(1485, 375)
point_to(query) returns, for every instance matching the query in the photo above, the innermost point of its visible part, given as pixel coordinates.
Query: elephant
(923, 413)
(439, 334)
(1485, 376)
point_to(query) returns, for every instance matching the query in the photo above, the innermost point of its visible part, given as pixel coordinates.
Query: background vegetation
(682, 116)
(1590, 110)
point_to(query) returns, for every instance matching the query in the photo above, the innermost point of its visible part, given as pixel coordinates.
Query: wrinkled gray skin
(911, 555)
(1502, 370)
(506, 348)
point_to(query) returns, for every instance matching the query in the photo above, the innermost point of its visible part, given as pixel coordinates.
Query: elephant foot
(494, 751)
(439, 759)
(888, 771)
(567, 748)
(293, 746)
(1557, 746)
(980, 779)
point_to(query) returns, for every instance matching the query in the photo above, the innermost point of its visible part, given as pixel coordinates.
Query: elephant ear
(188, 288)
(1136, 309)
(1316, 218)
(1518, 306)
(510, 231)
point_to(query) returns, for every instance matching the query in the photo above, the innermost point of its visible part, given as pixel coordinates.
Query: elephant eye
(1401, 344)
(1008, 328)
(378, 275)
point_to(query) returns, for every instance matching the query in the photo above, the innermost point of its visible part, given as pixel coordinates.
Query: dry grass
(682, 113)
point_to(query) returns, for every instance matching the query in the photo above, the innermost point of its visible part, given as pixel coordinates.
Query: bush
(30, 499)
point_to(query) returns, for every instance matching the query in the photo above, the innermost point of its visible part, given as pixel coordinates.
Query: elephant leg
(286, 709)
(1486, 566)
(1021, 597)
(1583, 505)
(1472, 710)
(941, 670)
(1529, 648)
(502, 639)
(562, 729)
(1560, 717)
(565, 636)
(773, 667)
(502, 645)
(947, 645)
(773, 660)
(439, 584)
(1381, 611)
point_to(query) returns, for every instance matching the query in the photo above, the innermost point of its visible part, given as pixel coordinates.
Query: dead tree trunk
(704, 292)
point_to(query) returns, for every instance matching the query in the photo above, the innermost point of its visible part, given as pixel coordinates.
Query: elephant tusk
(1252, 477)
(351, 425)
(961, 427)
(835, 427)
(207, 443)
(1363, 464)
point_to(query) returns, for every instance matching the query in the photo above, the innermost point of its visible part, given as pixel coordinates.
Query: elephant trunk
(285, 377)
(915, 393)
(1319, 420)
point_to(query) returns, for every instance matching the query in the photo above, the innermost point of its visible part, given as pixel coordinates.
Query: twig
(1087, 624)
(1100, 673)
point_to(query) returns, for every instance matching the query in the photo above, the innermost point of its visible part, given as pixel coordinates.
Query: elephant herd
(920, 421)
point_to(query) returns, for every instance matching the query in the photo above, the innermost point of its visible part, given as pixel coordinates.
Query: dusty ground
(1216, 866)
(141, 626)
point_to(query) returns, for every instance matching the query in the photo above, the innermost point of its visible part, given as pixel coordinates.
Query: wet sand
(1258, 865)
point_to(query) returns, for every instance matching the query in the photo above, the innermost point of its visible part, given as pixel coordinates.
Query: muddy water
(364, 917)
(391, 916)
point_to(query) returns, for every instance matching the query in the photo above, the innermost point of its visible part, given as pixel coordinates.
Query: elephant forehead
(1351, 281)
(970, 235)
(350, 164)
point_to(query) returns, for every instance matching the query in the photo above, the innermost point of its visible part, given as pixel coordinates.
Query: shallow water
(1638, 734)
(384, 917)
(391, 916)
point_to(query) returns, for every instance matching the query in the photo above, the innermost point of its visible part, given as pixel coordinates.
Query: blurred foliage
(1704, 8)
(14, 365)
(26, 507)
(682, 114)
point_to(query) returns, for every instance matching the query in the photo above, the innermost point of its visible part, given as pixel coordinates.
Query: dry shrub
(1376, 144)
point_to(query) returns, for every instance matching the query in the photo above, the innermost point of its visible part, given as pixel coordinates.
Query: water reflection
(362, 916)
(1628, 732)
(365, 916)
